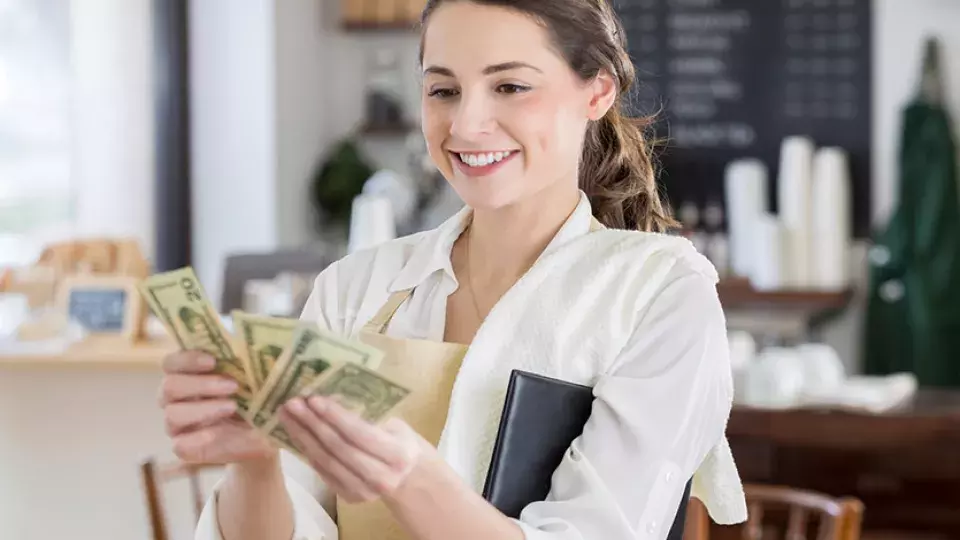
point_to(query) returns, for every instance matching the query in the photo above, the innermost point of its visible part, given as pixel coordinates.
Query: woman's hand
(199, 413)
(358, 460)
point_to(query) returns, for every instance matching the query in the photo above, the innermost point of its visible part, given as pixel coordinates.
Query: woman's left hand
(358, 460)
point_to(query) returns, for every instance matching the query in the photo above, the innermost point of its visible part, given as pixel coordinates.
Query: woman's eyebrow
(489, 70)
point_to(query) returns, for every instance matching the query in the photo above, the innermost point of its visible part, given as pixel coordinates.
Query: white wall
(303, 108)
(273, 85)
(112, 96)
(233, 132)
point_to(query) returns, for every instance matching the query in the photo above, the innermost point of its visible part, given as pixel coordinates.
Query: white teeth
(481, 160)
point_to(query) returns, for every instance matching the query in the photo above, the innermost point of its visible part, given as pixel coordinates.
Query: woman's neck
(505, 242)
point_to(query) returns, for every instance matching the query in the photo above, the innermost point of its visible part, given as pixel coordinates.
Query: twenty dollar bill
(178, 300)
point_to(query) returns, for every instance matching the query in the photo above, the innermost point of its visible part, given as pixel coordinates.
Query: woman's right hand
(199, 413)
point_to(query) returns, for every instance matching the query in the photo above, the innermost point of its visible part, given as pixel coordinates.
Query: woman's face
(503, 114)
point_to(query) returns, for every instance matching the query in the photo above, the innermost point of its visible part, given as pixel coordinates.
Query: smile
(482, 159)
(482, 163)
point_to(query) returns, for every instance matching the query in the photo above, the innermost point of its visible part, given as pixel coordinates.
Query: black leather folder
(541, 417)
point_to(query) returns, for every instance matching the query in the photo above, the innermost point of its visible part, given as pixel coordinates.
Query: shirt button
(651, 528)
(668, 476)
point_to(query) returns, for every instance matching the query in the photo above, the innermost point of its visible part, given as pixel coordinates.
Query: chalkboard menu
(104, 305)
(731, 78)
(99, 310)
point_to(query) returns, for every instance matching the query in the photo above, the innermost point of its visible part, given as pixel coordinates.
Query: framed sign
(104, 305)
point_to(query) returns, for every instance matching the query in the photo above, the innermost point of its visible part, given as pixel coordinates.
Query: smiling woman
(556, 265)
(517, 73)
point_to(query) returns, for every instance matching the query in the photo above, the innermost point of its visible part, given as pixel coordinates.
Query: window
(36, 194)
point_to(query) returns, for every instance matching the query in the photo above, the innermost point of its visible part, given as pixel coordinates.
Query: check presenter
(559, 263)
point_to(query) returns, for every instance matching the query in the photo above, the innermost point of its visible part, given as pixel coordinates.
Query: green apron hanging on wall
(913, 312)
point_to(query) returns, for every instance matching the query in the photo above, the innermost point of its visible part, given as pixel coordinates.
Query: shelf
(739, 294)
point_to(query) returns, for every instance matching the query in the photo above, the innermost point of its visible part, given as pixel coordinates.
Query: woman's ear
(603, 94)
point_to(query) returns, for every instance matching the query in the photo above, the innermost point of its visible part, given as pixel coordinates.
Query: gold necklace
(473, 296)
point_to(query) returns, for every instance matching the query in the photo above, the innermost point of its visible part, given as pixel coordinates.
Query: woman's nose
(473, 116)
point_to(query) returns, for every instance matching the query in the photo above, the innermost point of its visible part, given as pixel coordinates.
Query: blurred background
(806, 145)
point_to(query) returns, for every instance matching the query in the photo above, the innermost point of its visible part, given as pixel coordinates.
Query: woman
(521, 114)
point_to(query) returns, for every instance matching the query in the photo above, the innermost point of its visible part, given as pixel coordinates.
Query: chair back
(154, 475)
(243, 267)
(837, 518)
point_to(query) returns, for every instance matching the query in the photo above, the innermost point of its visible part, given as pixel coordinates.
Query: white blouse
(662, 398)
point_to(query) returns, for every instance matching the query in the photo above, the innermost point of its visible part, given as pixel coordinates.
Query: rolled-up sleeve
(657, 413)
(314, 506)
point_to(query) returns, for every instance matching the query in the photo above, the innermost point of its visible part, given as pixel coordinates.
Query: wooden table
(904, 465)
(94, 352)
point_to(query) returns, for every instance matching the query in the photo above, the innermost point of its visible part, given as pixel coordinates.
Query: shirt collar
(432, 253)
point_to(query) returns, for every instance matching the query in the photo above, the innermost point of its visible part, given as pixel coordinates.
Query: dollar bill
(179, 301)
(311, 353)
(264, 340)
(364, 391)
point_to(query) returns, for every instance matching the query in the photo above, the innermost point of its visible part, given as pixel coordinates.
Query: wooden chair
(839, 518)
(154, 475)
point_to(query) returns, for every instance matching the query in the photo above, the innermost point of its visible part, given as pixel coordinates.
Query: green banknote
(264, 340)
(363, 391)
(178, 300)
(311, 353)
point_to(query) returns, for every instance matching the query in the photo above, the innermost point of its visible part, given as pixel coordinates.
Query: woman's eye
(511, 88)
(442, 93)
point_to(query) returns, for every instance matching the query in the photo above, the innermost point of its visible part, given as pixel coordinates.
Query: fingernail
(208, 362)
(318, 404)
(229, 385)
(296, 405)
(228, 407)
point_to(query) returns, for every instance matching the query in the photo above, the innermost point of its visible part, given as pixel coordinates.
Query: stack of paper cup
(767, 264)
(746, 191)
(831, 220)
(793, 200)
(371, 222)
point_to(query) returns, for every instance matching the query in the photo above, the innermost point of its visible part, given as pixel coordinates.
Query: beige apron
(428, 369)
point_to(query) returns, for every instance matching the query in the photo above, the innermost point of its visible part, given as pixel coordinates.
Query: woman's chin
(484, 196)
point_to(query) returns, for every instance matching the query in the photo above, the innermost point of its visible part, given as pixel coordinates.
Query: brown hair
(616, 169)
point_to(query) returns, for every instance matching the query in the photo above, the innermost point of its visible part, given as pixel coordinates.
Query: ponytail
(617, 174)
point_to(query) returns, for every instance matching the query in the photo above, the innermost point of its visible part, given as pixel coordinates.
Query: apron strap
(380, 321)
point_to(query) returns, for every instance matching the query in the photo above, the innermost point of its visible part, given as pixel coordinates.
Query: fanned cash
(178, 300)
(264, 340)
(363, 391)
(273, 359)
(310, 355)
